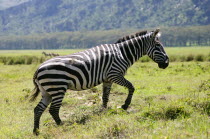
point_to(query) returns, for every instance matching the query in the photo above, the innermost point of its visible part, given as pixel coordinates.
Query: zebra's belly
(56, 79)
(80, 87)
(52, 84)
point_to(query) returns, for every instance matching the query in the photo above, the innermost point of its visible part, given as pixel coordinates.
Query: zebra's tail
(35, 90)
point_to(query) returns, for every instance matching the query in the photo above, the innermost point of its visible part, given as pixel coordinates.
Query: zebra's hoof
(59, 123)
(36, 131)
(125, 107)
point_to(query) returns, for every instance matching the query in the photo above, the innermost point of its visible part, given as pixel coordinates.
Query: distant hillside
(41, 16)
(4, 4)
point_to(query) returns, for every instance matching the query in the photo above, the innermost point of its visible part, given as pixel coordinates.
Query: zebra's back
(78, 71)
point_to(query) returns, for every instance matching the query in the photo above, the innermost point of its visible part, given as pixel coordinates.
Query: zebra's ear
(156, 33)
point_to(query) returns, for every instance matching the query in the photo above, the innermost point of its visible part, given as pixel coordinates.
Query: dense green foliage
(41, 16)
(169, 103)
(172, 36)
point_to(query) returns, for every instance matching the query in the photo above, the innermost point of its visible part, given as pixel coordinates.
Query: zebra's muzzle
(163, 65)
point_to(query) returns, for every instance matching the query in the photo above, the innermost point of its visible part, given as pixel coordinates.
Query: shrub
(169, 113)
(28, 60)
(9, 61)
(173, 58)
(203, 107)
(175, 112)
(182, 58)
(208, 57)
(21, 60)
(154, 115)
(169, 88)
(41, 59)
(199, 57)
(190, 57)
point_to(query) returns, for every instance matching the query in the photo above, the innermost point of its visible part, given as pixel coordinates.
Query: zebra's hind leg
(38, 110)
(55, 106)
(106, 92)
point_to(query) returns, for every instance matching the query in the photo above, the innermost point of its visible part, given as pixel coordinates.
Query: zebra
(105, 64)
(54, 54)
(50, 54)
(45, 54)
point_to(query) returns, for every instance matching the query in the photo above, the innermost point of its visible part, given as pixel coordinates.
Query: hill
(4, 4)
(41, 16)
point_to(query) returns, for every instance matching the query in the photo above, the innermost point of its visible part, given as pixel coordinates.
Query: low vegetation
(170, 103)
(198, 54)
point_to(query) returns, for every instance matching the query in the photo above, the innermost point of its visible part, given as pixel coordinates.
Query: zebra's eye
(157, 46)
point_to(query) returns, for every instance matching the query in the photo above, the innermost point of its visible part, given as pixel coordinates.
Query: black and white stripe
(105, 64)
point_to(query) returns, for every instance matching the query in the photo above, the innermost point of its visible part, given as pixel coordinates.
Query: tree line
(171, 36)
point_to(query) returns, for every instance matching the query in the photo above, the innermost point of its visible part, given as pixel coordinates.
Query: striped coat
(105, 64)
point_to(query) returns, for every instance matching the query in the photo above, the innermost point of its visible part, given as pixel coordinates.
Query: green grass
(187, 50)
(170, 50)
(14, 57)
(170, 103)
(178, 54)
(36, 52)
(188, 53)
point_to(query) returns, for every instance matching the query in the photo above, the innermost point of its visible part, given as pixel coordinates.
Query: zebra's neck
(134, 48)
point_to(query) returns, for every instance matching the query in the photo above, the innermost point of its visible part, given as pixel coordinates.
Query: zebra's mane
(131, 36)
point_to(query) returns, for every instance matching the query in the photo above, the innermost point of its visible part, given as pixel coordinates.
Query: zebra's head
(156, 50)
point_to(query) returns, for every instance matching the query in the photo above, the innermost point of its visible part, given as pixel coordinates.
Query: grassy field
(178, 54)
(170, 103)
(177, 51)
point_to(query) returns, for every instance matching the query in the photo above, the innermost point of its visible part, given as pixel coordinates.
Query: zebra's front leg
(55, 107)
(119, 79)
(38, 110)
(129, 98)
(106, 92)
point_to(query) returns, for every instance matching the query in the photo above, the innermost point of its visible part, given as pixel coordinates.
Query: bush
(190, 57)
(27, 60)
(9, 61)
(182, 58)
(14, 60)
(203, 107)
(173, 58)
(199, 57)
(154, 115)
(208, 57)
(175, 112)
(169, 113)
